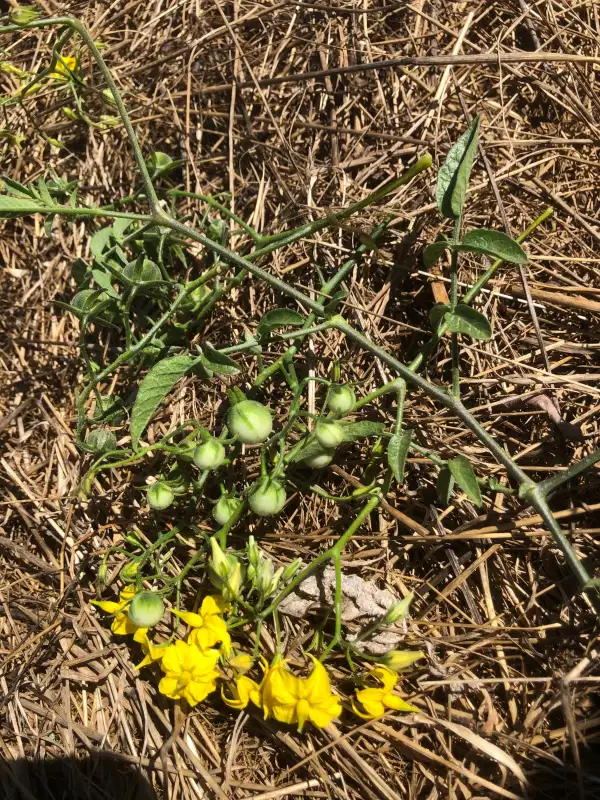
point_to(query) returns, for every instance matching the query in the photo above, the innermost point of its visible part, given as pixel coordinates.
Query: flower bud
(23, 15)
(267, 497)
(291, 569)
(398, 611)
(329, 433)
(146, 609)
(225, 508)
(341, 398)
(250, 421)
(219, 562)
(209, 454)
(160, 496)
(129, 571)
(253, 552)
(264, 576)
(101, 440)
(102, 576)
(319, 460)
(400, 659)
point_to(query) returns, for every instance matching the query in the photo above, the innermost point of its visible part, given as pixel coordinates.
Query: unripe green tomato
(146, 272)
(101, 440)
(319, 460)
(160, 496)
(225, 508)
(329, 433)
(209, 455)
(250, 421)
(87, 300)
(267, 497)
(341, 398)
(146, 609)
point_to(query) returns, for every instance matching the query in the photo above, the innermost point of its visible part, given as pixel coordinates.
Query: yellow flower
(297, 700)
(241, 662)
(376, 699)
(209, 627)
(152, 652)
(190, 673)
(244, 691)
(121, 624)
(64, 67)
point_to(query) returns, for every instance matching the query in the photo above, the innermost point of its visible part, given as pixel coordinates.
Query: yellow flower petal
(317, 686)
(191, 619)
(397, 703)
(123, 626)
(108, 606)
(372, 702)
(320, 718)
(213, 604)
(168, 687)
(388, 677)
(196, 691)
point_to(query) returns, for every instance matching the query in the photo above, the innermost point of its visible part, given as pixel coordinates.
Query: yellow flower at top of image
(190, 673)
(375, 700)
(296, 701)
(121, 624)
(65, 65)
(209, 628)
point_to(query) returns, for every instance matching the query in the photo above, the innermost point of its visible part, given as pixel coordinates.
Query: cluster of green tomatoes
(251, 423)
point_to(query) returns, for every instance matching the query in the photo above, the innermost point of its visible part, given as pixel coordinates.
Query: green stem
(554, 481)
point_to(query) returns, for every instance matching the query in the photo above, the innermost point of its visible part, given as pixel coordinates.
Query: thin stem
(554, 481)
(455, 349)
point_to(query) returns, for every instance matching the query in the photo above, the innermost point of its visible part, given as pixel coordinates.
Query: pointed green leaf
(153, 389)
(495, 244)
(310, 449)
(278, 318)
(453, 177)
(465, 477)
(19, 206)
(397, 451)
(362, 430)
(444, 485)
(437, 313)
(16, 188)
(432, 253)
(466, 320)
(217, 362)
(99, 241)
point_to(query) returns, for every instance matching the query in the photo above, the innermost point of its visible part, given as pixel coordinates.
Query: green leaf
(437, 313)
(19, 206)
(311, 448)
(99, 241)
(466, 320)
(119, 227)
(278, 318)
(445, 485)
(217, 362)
(396, 453)
(453, 177)
(153, 389)
(16, 188)
(465, 477)
(362, 430)
(432, 253)
(104, 280)
(493, 243)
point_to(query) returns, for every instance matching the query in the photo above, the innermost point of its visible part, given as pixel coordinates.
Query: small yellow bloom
(121, 624)
(297, 700)
(209, 627)
(244, 691)
(64, 67)
(376, 699)
(190, 673)
(152, 652)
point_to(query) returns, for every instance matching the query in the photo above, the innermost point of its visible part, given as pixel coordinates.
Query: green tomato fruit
(319, 460)
(329, 433)
(209, 455)
(341, 398)
(225, 508)
(146, 609)
(267, 497)
(145, 272)
(89, 301)
(250, 421)
(101, 440)
(160, 496)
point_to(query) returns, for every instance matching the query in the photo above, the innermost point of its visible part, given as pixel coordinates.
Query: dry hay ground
(511, 644)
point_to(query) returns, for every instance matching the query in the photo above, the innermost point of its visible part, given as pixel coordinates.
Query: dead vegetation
(509, 689)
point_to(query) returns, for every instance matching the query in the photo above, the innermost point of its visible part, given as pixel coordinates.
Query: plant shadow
(98, 776)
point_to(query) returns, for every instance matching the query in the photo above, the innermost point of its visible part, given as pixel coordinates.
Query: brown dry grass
(511, 645)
